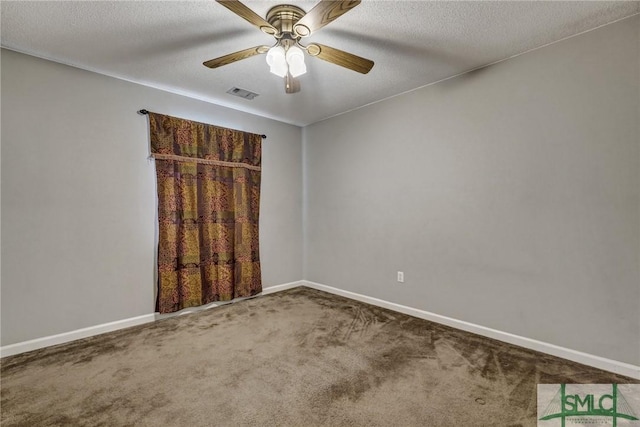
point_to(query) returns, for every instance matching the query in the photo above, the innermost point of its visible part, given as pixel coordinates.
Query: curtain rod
(143, 111)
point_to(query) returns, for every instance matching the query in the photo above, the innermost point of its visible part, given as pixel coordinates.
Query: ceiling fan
(289, 24)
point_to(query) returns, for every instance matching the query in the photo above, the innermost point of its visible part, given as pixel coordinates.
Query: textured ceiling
(413, 43)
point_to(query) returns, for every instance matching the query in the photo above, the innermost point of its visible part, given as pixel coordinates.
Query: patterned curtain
(208, 208)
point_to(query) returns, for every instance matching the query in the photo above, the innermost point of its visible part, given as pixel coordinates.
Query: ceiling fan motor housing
(283, 17)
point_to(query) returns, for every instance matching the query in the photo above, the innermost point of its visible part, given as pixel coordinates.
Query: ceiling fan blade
(323, 13)
(340, 57)
(291, 84)
(253, 18)
(235, 56)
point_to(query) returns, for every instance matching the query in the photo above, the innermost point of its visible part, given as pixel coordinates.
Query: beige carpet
(295, 358)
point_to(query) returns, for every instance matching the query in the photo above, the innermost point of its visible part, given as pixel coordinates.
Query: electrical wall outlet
(400, 277)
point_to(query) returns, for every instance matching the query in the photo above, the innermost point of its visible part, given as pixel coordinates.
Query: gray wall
(509, 196)
(78, 196)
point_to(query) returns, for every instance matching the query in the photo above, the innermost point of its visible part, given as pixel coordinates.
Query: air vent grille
(242, 93)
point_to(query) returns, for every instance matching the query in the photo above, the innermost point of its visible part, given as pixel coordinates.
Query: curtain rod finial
(143, 111)
(263, 136)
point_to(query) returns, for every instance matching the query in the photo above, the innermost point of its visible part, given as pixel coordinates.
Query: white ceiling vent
(242, 93)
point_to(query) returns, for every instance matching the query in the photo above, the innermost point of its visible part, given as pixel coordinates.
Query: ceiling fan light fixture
(288, 24)
(277, 62)
(295, 59)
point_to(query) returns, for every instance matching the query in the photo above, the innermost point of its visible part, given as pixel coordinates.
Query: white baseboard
(35, 344)
(283, 287)
(621, 368)
(22, 347)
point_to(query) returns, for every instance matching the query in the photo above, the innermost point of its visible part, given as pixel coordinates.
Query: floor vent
(242, 93)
